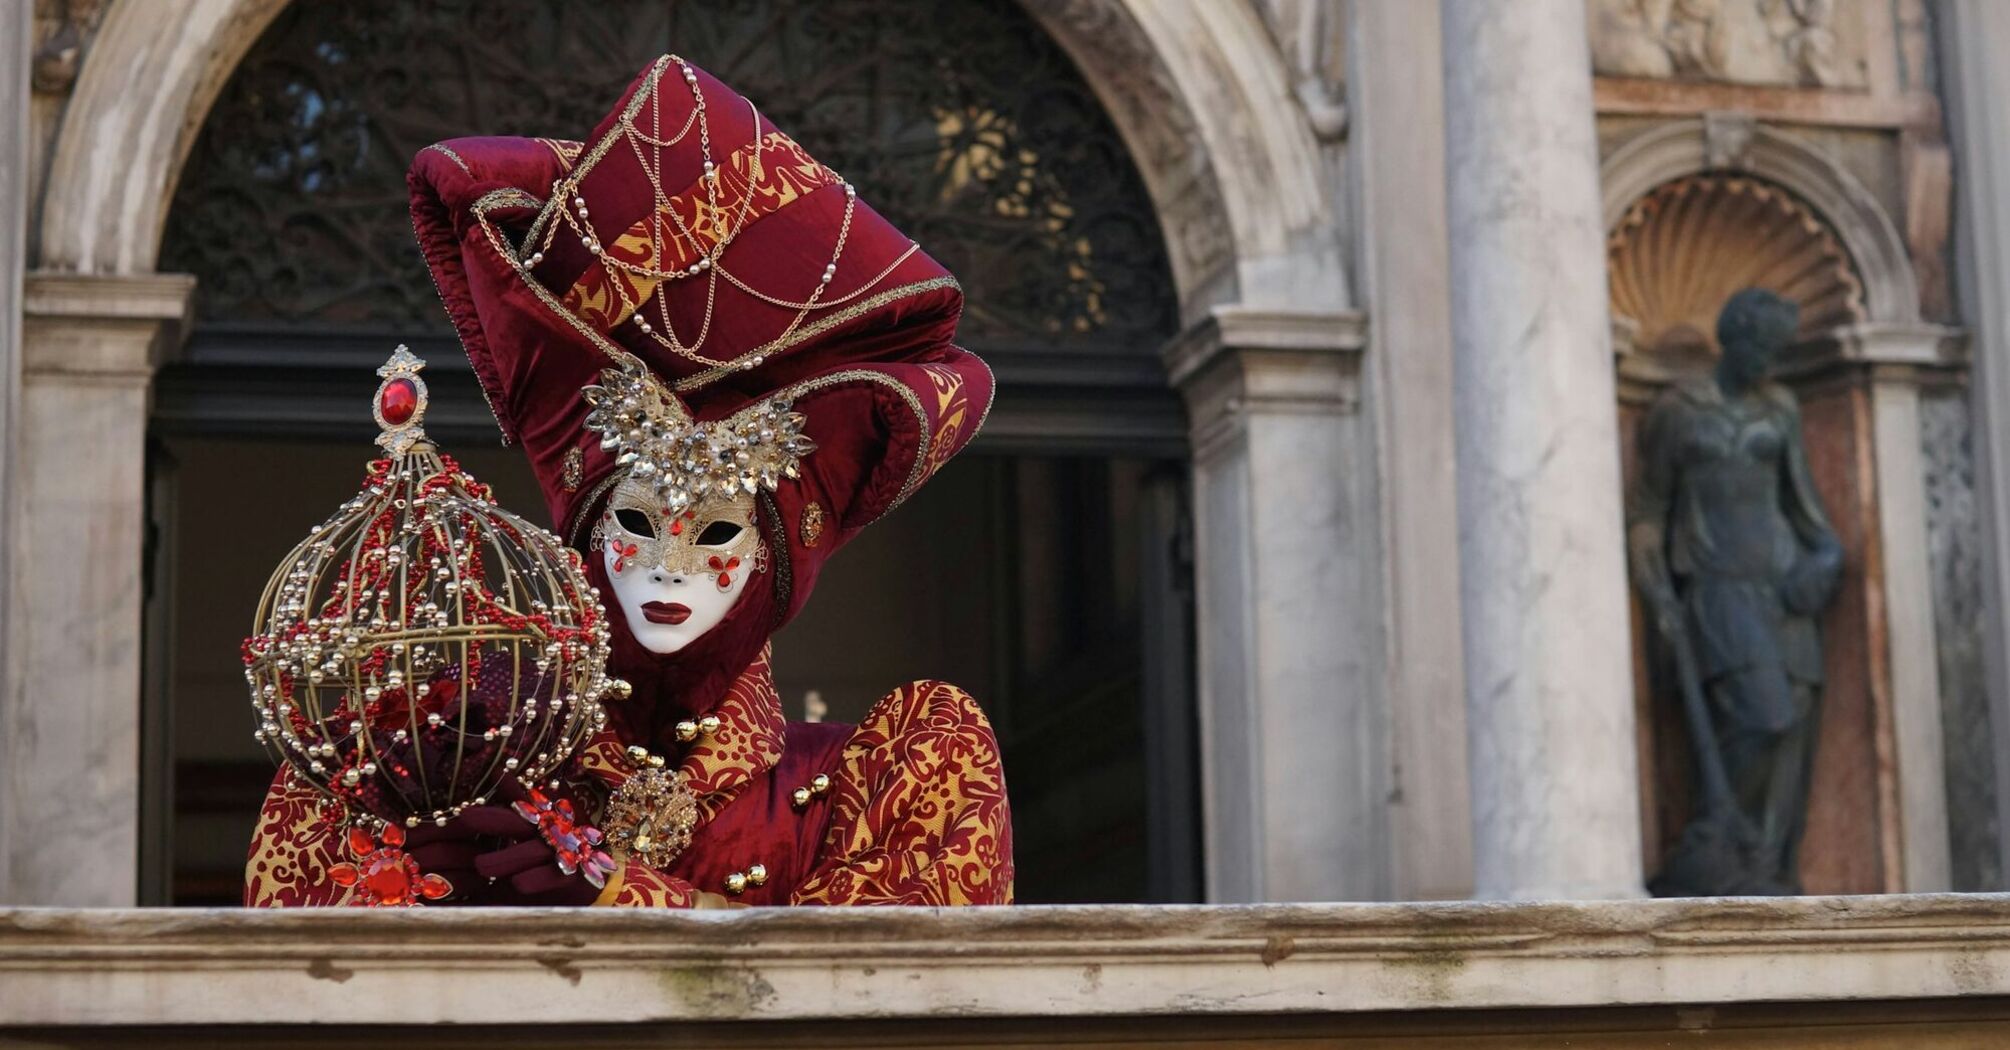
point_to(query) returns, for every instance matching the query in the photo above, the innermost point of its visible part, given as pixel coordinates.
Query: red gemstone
(391, 883)
(398, 401)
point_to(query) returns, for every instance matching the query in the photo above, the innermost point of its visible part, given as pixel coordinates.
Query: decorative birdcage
(423, 648)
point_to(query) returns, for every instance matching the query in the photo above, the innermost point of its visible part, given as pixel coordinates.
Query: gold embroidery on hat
(575, 469)
(813, 523)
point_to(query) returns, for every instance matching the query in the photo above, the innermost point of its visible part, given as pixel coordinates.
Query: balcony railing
(1924, 968)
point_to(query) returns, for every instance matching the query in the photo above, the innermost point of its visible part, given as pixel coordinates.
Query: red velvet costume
(909, 806)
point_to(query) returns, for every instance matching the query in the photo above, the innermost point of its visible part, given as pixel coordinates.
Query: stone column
(1395, 86)
(1549, 691)
(69, 705)
(1975, 35)
(14, 66)
(1293, 751)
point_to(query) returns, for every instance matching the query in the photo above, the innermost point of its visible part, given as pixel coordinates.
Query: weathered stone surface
(1954, 547)
(1803, 43)
(492, 966)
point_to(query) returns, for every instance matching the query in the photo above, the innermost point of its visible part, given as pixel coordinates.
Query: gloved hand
(495, 854)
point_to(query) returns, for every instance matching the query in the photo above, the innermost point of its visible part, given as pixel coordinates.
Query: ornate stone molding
(1886, 351)
(1891, 290)
(517, 966)
(1238, 181)
(1242, 361)
(1311, 33)
(108, 327)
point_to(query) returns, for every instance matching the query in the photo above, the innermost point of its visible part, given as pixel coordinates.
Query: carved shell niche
(1683, 249)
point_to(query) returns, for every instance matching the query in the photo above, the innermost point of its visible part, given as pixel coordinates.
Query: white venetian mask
(676, 574)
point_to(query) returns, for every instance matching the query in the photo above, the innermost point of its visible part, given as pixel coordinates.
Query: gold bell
(757, 875)
(687, 731)
(820, 783)
(709, 724)
(736, 883)
(619, 688)
(801, 797)
(638, 755)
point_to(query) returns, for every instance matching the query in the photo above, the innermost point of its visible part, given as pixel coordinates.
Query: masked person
(722, 364)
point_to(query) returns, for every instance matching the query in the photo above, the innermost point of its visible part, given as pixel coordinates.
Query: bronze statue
(1736, 560)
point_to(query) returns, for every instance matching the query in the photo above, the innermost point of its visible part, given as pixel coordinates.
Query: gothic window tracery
(961, 121)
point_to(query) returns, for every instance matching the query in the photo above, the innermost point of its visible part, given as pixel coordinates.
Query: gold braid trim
(443, 150)
(599, 150)
(816, 328)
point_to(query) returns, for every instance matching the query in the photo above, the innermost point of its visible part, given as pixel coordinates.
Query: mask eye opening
(635, 522)
(719, 533)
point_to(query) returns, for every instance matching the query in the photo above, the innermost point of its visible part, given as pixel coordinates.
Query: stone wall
(1954, 546)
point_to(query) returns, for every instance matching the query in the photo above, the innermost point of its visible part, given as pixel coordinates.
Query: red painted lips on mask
(672, 613)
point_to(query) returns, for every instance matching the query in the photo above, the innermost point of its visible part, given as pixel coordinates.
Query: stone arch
(1231, 164)
(1653, 158)
(107, 218)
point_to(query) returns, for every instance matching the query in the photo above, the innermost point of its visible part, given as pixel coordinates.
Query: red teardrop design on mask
(398, 401)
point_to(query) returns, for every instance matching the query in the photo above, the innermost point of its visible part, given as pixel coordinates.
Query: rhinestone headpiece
(654, 437)
(423, 645)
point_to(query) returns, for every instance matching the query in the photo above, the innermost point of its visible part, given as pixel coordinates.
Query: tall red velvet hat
(690, 236)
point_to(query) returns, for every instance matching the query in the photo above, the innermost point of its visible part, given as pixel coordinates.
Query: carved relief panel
(1792, 43)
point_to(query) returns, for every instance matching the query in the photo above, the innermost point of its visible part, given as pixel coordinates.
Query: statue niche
(1735, 560)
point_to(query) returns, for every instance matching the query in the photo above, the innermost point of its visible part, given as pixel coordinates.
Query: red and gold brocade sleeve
(637, 885)
(918, 814)
(298, 838)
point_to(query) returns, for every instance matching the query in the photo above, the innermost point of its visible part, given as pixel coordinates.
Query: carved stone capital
(105, 327)
(1240, 362)
(1916, 352)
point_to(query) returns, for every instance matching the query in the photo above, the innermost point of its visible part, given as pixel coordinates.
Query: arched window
(1030, 571)
(962, 121)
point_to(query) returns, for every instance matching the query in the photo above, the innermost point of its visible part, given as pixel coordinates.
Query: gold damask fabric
(918, 813)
